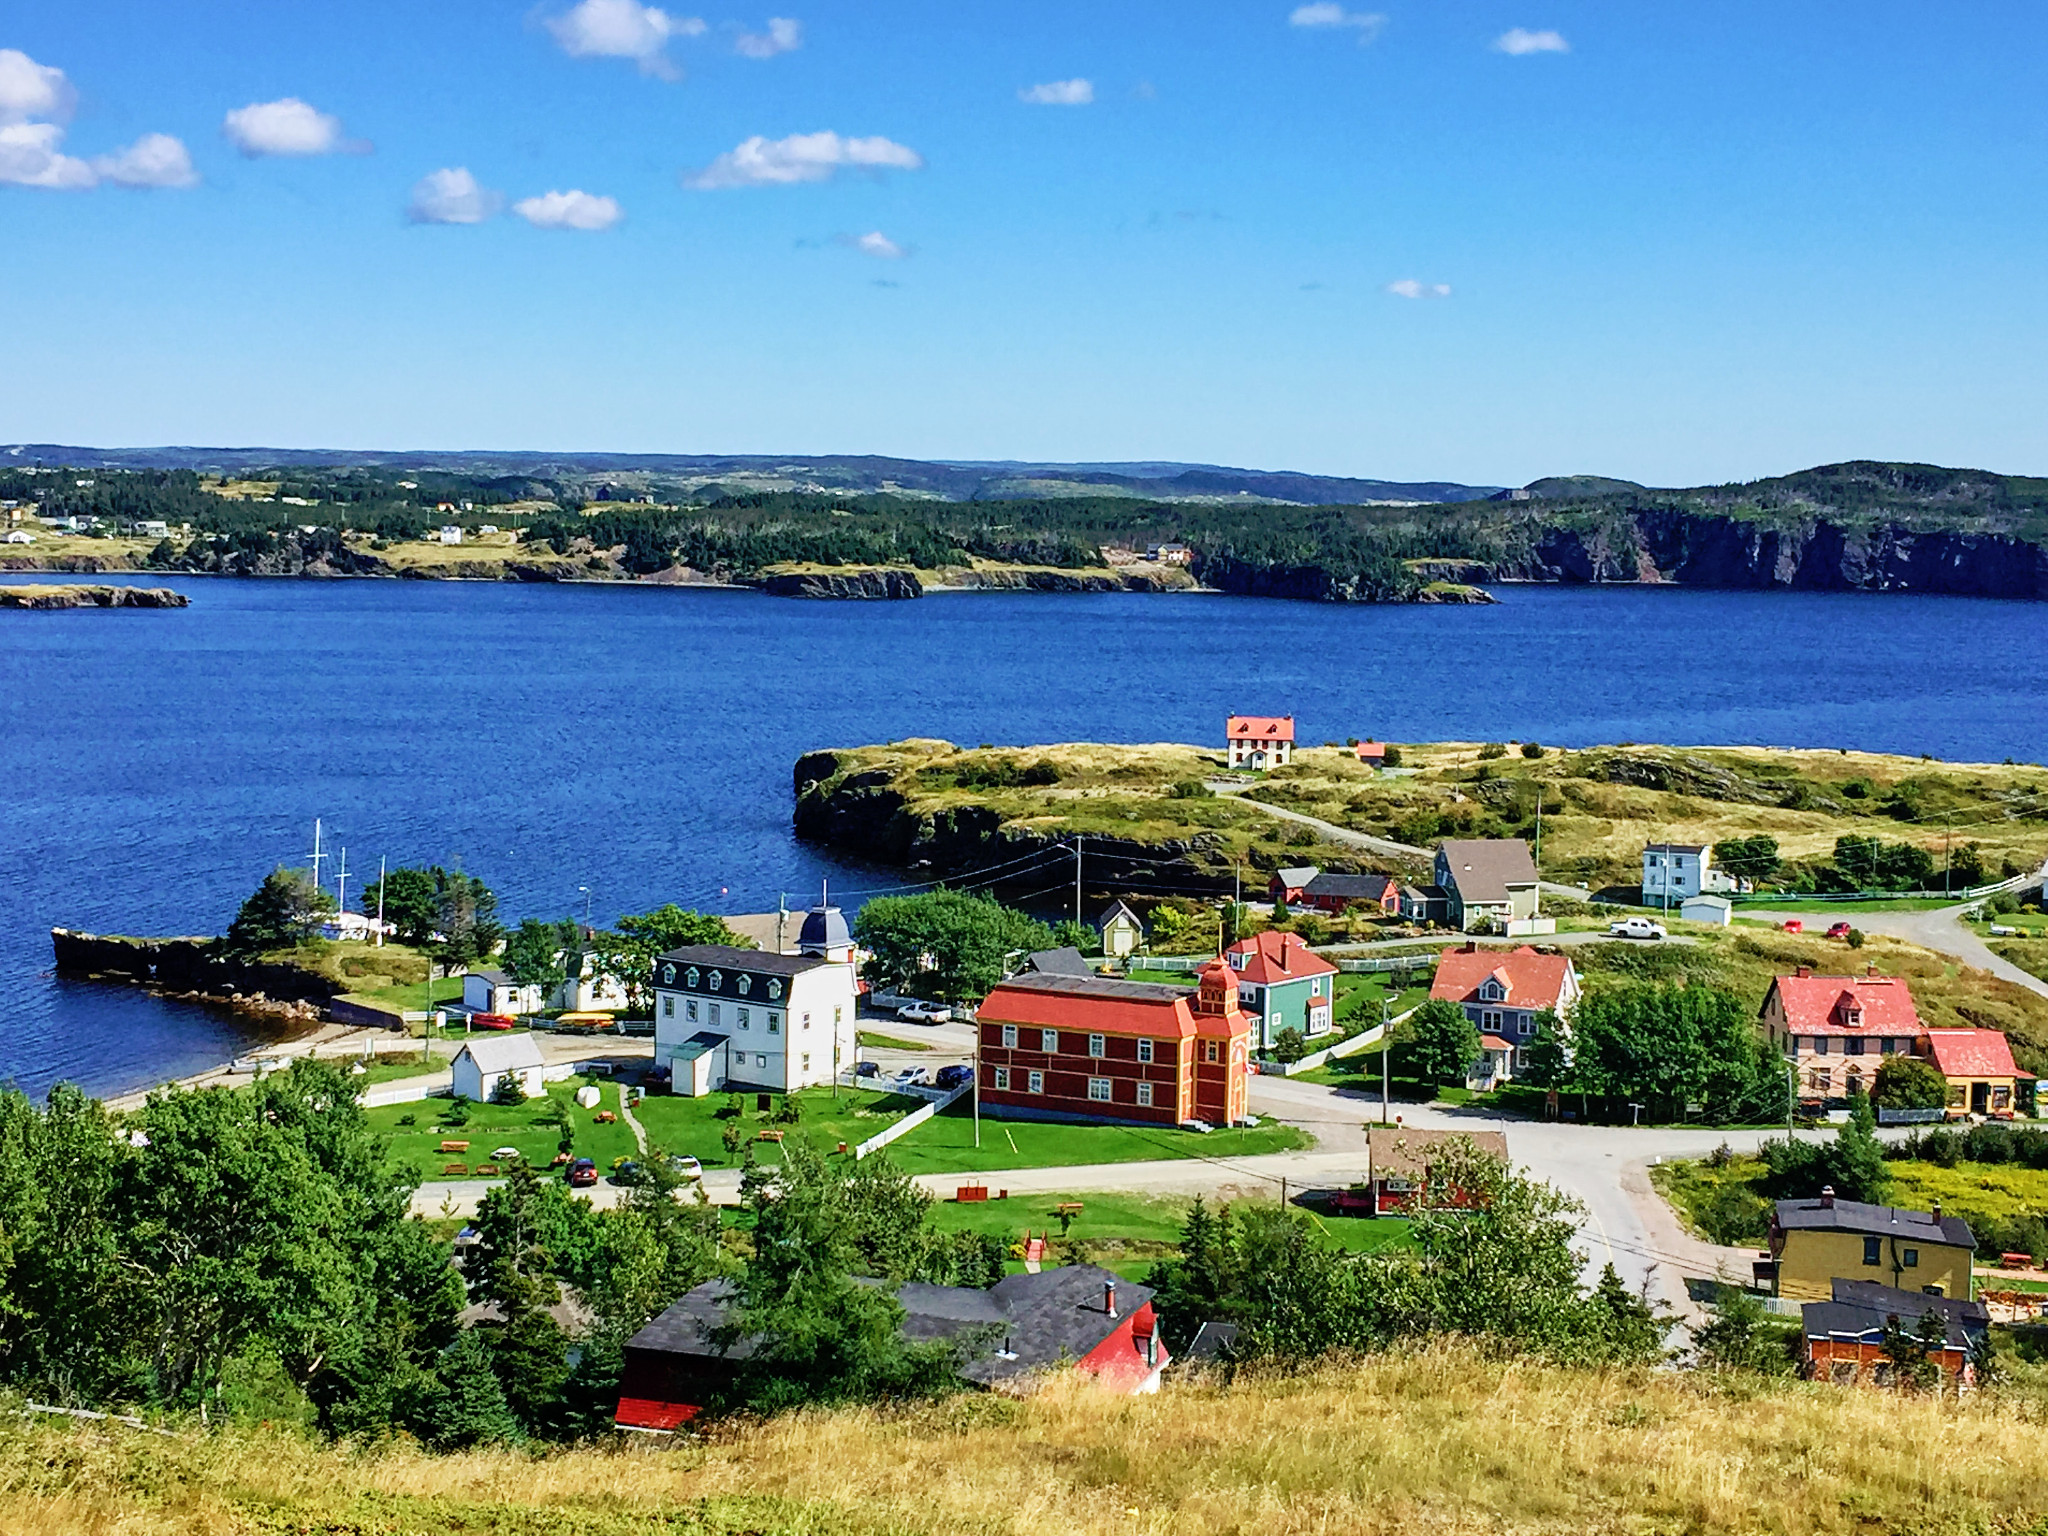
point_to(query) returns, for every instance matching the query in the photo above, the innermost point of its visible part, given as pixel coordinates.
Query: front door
(1980, 1098)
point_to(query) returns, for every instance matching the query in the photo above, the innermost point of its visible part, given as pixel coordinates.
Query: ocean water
(638, 741)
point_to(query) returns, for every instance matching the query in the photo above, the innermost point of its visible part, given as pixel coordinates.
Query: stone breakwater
(91, 597)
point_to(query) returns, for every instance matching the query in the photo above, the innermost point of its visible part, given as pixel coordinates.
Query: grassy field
(415, 1131)
(2030, 955)
(696, 1126)
(1747, 905)
(890, 1042)
(1439, 1441)
(945, 1143)
(1599, 805)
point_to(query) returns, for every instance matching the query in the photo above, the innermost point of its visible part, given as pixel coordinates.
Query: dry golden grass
(1441, 1441)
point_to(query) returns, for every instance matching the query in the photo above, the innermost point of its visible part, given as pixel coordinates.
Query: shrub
(1855, 938)
(1532, 749)
(1392, 757)
(1492, 750)
(1190, 789)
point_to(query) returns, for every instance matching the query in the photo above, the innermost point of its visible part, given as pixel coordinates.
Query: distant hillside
(671, 473)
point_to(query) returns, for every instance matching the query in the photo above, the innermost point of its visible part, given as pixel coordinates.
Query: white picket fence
(909, 1122)
(1363, 1041)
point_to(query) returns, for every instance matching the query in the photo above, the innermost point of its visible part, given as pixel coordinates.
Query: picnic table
(453, 1146)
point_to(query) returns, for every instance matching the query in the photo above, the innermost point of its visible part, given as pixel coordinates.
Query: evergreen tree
(467, 1405)
(286, 909)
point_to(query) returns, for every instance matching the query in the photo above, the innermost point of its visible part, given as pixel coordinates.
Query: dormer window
(774, 989)
(717, 980)
(1493, 992)
(691, 978)
(1237, 961)
(745, 984)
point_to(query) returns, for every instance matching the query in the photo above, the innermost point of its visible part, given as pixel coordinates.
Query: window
(1049, 1041)
(745, 985)
(690, 1010)
(1489, 1018)
(1003, 1078)
(1853, 1046)
(746, 1017)
(1909, 1258)
(1009, 1037)
(774, 1023)
(714, 1013)
(774, 989)
(1144, 1050)
(691, 979)
(807, 1018)
(668, 1007)
(1036, 1084)
(760, 1060)
(1873, 1250)
(1145, 1095)
(1095, 1046)
(1211, 1051)
(838, 1017)
(717, 980)
(1098, 1089)
(1820, 1045)
(807, 1061)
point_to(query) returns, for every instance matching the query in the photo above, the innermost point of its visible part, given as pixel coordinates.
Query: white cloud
(623, 29)
(1325, 15)
(1059, 93)
(761, 162)
(875, 243)
(783, 36)
(1520, 40)
(569, 210)
(451, 196)
(285, 127)
(30, 156)
(154, 160)
(1409, 288)
(29, 90)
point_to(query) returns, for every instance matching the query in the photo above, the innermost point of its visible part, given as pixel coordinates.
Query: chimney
(1936, 1212)
(1806, 970)
(1471, 946)
(1109, 1297)
(1870, 969)
(1827, 1198)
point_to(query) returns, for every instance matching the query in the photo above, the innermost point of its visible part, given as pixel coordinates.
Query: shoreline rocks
(55, 597)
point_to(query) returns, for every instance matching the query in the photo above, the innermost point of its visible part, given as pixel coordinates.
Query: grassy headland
(1437, 1441)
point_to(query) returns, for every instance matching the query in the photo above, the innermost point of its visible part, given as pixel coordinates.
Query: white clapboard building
(728, 1018)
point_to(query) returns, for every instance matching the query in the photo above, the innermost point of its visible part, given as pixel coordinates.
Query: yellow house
(1817, 1242)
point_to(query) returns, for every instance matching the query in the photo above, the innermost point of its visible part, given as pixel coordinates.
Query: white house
(1260, 741)
(727, 1018)
(451, 533)
(1120, 930)
(19, 537)
(593, 991)
(1674, 871)
(1708, 909)
(482, 1062)
(355, 928)
(492, 991)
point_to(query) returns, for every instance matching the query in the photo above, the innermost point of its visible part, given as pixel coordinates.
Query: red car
(1794, 925)
(582, 1173)
(1838, 931)
(492, 1020)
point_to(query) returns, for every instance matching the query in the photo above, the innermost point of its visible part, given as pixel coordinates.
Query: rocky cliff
(193, 967)
(91, 597)
(858, 585)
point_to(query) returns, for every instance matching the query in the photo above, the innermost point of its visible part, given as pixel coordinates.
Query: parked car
(909, 1077)
(625, 1171)
(1838, 930)
(1794, 925)
(959, 1075)
(686, 1167)
(1636, 928)
(925, 1013)
(505, 1155)
(582, 1173)
(492, 1020)
(866, 1069)
(2004, 931)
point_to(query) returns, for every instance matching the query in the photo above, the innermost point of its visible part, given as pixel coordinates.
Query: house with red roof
(1501, 993)
(1283, 984)
(1058, 1047)
(1977, 1064)
(1260, 742)
(1837, 1030)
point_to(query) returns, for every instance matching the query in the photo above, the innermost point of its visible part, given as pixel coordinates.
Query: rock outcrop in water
(194, 968)
(91, 597)
(858, 585)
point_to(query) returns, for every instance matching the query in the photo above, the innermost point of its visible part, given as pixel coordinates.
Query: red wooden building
(1095, 1047)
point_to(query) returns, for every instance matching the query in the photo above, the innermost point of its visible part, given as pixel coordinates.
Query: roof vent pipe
(1827, 1197)
(1109, 1297)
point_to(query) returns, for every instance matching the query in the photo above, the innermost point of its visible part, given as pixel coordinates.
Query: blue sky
(1675, 243)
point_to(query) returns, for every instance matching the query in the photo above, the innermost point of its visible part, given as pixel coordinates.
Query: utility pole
(977, 1084)
(317, 854)
(1539, 849)
(1386, 1070)
(341, 882)
(584, 891)
(1077, 881)
(380, 916)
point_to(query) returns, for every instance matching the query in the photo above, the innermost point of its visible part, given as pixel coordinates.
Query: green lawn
(889, 1042)
(385, 1068)
(1822, 904)
(696, 1127)
(414, 997)
(414, 1131)
(945, 1143)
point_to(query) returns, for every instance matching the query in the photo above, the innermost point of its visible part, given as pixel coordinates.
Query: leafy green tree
(286, 909)
(1748, 858)
(466, 916)
(411, 902)
(1738, 1336)
(1912, 1351)
(540, 954)
(947, 943)
(1852, 1164)
(1624, 1324)
(639, 939)
(1669, 1047)
(1547, 1060)
(1441, 1043)
(1069, 934)
(1289, 1046)
(1907, 1082)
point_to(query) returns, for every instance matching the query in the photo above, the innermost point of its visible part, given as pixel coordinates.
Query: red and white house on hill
(1260, 741)
(1837, 1029)
(1098, 1048)
(1501, 994)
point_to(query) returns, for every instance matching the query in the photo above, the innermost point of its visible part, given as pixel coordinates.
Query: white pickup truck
(1636, 928)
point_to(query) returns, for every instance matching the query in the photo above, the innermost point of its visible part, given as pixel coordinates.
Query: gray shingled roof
(496, 978)
(760, 961)
(1351, 887)
(1874, 1221)
(1061, 962)
(1112, 987)
(1861, 1309)
(1483, 868)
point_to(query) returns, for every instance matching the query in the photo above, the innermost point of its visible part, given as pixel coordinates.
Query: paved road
(1941, 930)
(1380, 845)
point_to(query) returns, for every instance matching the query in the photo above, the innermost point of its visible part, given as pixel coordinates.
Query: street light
(584, 890)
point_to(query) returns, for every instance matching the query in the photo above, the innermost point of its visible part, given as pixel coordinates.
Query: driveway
(1941, 930)
(1385, 847)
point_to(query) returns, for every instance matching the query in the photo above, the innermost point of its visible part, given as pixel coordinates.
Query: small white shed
(1718, 910)
(492, 991)
(480, 1063)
